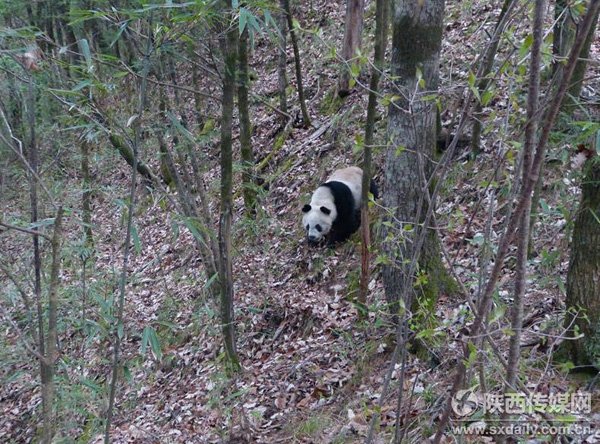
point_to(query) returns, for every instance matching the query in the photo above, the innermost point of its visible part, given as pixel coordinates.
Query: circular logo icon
(465, 402)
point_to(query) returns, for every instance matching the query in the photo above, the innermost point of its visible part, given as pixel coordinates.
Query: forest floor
(312, 370)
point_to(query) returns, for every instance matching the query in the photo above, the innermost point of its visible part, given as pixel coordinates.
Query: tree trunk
(48, 388)
(583, 279)
(352, 37)
(381, 16)
(229, 49)
(285, 4)
(248, 185)
(574, 91)
(484, 80)
(564, 34)
(282, 63)
(416, 43)
(86, 196)
(516, 313)
(563, 38)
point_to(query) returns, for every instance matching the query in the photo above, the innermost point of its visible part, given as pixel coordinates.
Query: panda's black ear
(326, 210)
(306, 208)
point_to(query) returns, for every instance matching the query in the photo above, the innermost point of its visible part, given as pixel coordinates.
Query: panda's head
(319, 215)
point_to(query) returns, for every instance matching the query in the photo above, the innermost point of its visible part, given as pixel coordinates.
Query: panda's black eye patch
(306, 208)
(325, 210)
(307, 227)
(318, 227)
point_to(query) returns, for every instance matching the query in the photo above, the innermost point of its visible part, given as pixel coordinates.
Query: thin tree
(353, 26)
(116, 364)
(248, 185)
(285, 5)
(523, 236)
(229, 43)
(485, 79)
(282, 81)
(381, 25)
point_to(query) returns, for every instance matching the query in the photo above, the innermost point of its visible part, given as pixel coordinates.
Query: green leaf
(486, 97)
(84, 46)
(243, 19)
(527, 42)
(497, 313)
(154, 344)
(137, 244)
(471, 80)
(118, 33)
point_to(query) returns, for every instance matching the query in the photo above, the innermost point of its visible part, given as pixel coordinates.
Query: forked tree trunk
(353, 27)
(583, 279)
(416, 43)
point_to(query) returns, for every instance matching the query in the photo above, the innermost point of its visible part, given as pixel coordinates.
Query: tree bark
(564, 35)
(248, 183)
(86, 196)
(574, 91)
(416, 44)
(229, 49)
(48, 388)
(583, 279)
(285, 4)
(282, 81)
(484, 80)
(381, 15)
(352, 38)
(523, 236)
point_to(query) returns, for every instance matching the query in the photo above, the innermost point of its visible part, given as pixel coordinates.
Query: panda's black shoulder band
(346, 221)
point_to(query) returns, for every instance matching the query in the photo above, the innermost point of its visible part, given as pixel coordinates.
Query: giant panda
(334, 210)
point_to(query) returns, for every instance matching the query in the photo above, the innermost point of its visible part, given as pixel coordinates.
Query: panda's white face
(319, 215)
(317, 222)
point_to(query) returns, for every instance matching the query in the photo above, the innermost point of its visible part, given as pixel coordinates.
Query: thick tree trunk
(583, 279)
(248, 185)
(229, 50)
(352, 37)
(412, 126)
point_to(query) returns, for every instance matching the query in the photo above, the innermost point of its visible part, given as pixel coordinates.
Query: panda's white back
(352, 178)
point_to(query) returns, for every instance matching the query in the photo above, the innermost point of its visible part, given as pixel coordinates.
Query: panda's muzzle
(313, 239)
